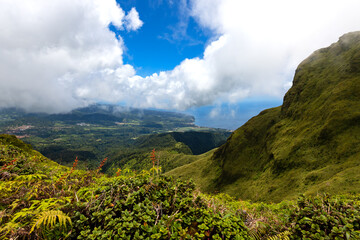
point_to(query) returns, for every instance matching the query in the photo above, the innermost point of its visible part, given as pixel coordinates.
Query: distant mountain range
(102, 114)
(100, 131)
(310, 144)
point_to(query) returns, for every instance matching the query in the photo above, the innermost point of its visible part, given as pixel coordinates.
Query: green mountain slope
(198, 142)
(173, 149)
(310, 144)
(18, 158)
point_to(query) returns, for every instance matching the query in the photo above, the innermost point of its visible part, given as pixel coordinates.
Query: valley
(100, 131)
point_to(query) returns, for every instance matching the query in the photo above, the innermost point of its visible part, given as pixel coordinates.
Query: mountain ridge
(309, 144)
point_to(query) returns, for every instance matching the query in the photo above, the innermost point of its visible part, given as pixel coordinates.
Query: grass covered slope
(310, 144)
(173, 149)
(18, 158)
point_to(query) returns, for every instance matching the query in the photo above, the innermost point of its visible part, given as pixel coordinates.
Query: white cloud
(59, 54)
(266, 40)
(55, 53)
(132, 20)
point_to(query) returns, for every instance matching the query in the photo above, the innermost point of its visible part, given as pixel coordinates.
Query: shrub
(326, 217)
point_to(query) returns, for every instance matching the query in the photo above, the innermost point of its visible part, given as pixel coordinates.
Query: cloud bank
(57, 55)
(50, 50)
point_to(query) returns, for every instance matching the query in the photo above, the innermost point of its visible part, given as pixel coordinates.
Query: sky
(221, 60)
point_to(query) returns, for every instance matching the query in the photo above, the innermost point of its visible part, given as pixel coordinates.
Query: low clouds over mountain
(58, 55)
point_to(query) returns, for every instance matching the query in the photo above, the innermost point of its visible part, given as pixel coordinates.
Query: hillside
(43, 200)
(173, 149)
(19, 158)
(197, 142)
(310, 144)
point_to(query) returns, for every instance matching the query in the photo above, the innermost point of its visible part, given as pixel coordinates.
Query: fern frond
(14, 204)
(48, 204)
(49, 218)
(2, 215)
(281, 236)
(254, 235)
(257, 229)
(23, 214)
(31, 177)
(8, 228)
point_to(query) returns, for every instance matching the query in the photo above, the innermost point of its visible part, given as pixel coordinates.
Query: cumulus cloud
(258, 44)
(132, 20)
(57, 55)
(256, 48)
(52, 53)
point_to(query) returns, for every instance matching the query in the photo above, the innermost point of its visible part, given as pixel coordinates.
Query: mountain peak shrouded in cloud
(58, 55)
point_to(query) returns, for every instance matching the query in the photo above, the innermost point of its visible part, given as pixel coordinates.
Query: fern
(48, 204)
(254, 234)
(257, 229)
(49, 218)
(14, 204)
(31, 177)
(23, 214)
(10, 188)
(7, 228)
(281, 236)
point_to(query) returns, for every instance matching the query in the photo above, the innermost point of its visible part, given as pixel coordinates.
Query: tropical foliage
(43, 200)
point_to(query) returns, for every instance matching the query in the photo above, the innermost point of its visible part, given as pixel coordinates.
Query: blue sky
(167, 37)
(231, 116)
(221, 60)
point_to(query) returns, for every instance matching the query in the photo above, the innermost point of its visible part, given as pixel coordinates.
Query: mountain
(101, 114)
(198, 142)
(310, 144)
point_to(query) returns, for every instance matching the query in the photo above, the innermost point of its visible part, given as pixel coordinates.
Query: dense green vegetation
(43, 200)
(311, 144)
(100, 131)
